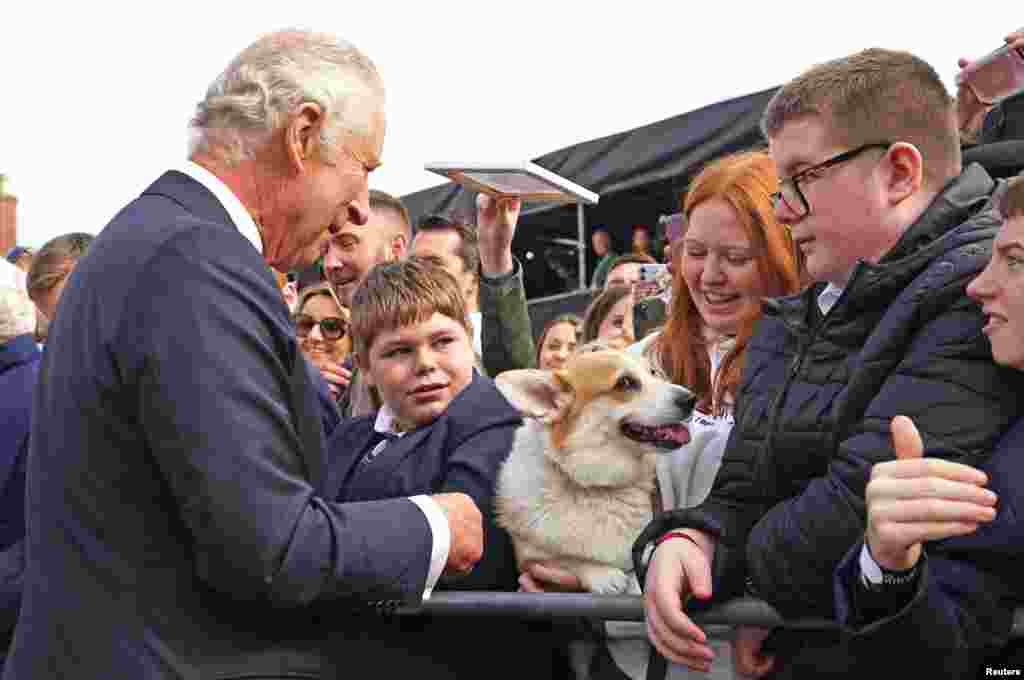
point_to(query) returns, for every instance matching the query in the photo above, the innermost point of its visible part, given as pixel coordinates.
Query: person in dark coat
(892, 230)
(442, 427)
(937, 576)
(178, 525)
(19, 370)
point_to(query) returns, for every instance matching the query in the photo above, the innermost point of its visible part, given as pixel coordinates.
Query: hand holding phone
(996, 75)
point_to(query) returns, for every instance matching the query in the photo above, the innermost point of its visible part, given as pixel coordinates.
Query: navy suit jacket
(177, 525)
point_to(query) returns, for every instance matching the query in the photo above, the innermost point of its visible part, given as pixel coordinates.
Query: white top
(685, 477)
(11, 276)
(243, 221)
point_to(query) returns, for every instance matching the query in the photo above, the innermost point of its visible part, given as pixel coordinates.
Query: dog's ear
(537, 394)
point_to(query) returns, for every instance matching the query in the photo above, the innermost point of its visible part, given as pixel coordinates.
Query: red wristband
(676, 534)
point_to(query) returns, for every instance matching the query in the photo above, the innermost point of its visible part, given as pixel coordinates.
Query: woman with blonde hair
(321, 327)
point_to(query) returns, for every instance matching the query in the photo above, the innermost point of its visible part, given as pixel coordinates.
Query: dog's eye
(627, 383)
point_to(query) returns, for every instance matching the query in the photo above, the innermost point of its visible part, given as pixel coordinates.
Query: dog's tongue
(675, 433)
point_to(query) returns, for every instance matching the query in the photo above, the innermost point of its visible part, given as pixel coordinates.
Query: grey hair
(17, 313)
(270, 79)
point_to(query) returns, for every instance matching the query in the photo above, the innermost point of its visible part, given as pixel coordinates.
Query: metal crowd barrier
(741, 611)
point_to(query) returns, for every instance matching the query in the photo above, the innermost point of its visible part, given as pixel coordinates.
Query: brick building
(8, 218)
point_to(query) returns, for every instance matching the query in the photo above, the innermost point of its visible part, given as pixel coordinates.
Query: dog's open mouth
(670, 436)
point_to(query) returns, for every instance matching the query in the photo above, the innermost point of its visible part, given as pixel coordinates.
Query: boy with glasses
(892, 229)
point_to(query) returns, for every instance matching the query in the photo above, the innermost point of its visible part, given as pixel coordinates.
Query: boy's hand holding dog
(467, 532)
(678, 569)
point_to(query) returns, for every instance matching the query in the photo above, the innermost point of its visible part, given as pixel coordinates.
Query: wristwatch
(876, 577)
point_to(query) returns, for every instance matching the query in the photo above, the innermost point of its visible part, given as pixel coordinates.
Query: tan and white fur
(576, 490)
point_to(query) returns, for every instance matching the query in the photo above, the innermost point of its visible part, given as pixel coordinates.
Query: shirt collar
(828, 297)
(236, 211)
(385, 422)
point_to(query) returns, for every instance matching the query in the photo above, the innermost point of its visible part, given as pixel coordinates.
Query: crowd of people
(256, 412)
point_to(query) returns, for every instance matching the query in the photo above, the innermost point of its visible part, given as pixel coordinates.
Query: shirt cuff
(501, 279)
(442, 540)
(868, 567)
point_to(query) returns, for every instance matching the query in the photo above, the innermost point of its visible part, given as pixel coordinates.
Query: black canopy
(640, 175)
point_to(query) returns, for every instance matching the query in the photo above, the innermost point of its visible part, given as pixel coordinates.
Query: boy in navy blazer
(443, 427)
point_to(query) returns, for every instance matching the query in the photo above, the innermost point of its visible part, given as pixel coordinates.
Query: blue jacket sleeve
(212, 358)
(961, 403)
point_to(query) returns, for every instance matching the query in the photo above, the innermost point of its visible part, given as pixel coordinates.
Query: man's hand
(467, 532)
(337, 376)
(541, 578)
(496, 225)
(678, 568)
(913, 499)
(970, 110)
(747, 658)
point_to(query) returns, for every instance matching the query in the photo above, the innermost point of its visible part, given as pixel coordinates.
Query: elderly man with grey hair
(179, 524)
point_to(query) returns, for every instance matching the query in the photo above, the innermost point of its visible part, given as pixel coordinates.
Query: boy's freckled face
(419, 369)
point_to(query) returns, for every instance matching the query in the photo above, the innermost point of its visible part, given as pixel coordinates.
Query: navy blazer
(460, 451)
(177, 525)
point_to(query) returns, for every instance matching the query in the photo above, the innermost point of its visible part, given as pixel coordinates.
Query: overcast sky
(97, 96)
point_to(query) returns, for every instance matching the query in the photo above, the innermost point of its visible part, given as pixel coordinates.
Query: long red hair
(745, 181)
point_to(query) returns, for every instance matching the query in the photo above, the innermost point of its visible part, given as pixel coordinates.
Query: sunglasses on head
(331, 327)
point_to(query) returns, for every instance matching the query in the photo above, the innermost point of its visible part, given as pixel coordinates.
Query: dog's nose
(684, 399)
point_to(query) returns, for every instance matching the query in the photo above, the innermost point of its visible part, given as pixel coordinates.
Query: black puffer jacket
(818, 393)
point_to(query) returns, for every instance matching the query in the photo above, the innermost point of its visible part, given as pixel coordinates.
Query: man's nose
(981, 287)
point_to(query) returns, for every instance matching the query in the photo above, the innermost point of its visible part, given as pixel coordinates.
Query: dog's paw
(605, 580)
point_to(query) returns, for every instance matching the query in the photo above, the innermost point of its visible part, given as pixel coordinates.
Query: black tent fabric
(640, 175)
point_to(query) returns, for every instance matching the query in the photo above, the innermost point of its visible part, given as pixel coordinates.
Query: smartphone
(995, 75)
(652, 272)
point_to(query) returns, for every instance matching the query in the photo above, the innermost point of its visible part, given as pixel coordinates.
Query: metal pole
(741, 611)
(581, 232)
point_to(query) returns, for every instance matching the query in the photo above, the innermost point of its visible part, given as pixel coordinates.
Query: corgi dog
(576, 490)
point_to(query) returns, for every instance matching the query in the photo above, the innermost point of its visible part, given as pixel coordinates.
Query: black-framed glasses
(792, 196)
(331, 327)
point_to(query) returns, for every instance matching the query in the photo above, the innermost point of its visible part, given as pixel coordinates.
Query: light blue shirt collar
(828, 297)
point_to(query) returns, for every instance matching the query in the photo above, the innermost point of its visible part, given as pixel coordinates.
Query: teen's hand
(913, 499)
(677, 570)
(747, 658)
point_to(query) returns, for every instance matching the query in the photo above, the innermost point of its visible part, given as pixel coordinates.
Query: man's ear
(302, 136)
(399, 246)
(906, 172)
(537, 394)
